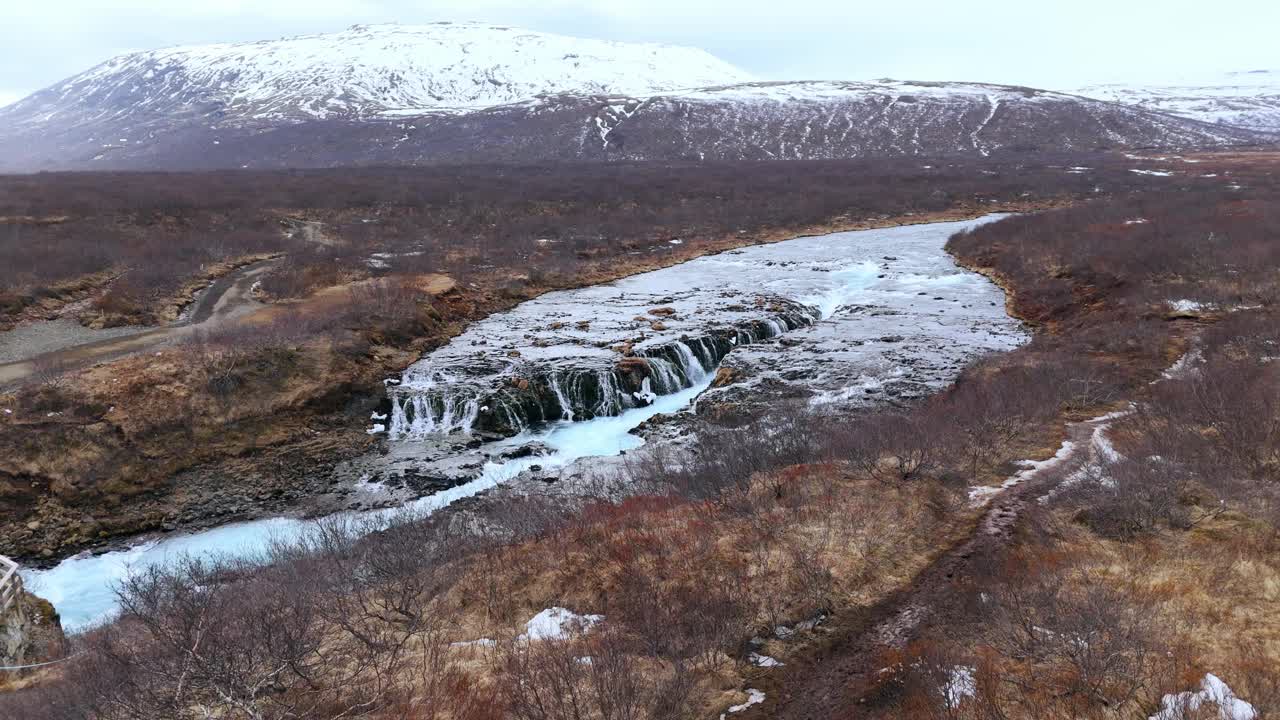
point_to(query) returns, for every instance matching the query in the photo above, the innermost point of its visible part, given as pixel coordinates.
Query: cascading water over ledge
(514, 396)
(599, 351)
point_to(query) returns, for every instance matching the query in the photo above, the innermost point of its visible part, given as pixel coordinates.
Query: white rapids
(828, 274)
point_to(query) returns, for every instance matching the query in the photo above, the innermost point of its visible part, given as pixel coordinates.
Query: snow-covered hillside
(370, 70)
(1243, 99)
(469, 92)
(828, 119)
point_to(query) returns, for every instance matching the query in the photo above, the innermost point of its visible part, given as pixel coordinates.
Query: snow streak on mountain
(469, 92)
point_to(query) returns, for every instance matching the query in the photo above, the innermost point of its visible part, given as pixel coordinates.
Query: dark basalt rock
(526, 451)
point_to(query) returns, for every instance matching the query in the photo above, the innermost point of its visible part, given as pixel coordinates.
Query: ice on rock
(645, 394)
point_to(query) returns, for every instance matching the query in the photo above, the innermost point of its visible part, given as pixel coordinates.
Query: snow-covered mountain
(394, 94)
(369, 70)
(1242, 99)
(885, 117)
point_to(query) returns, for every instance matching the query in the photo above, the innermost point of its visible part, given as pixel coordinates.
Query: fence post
(10, 583)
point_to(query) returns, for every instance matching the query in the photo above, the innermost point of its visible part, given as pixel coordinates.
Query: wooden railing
(10, 583)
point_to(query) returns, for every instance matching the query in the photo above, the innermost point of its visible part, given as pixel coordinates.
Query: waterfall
(482, 385)
(705, 347)
(566, 409)
(430, 413)
(513, 396)
(689, 364)
(612, 400)
(664, 373)
(512, 415)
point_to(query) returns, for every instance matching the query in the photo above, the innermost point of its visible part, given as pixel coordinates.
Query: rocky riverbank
(133, 447)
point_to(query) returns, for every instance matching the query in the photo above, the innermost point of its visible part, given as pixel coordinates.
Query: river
(839, 317)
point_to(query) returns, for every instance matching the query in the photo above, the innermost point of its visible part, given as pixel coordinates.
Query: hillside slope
(885, 117)
(477, 93)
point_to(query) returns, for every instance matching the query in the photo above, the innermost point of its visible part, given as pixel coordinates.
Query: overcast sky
(1047, 43)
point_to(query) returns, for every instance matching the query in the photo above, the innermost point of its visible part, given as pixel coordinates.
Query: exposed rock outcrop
(29, 632)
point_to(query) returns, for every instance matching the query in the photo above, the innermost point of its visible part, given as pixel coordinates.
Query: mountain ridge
(449, 93)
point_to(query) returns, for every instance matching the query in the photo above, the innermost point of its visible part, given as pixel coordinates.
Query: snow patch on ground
(754, 697)
(1212, 690)
(482, 642)
(783, 632)
(764, 660)
(960, 685)
(557, 623)
(1186, 306)
(1102, 447)
(1184, 365)
(994, 103)
(982, 495)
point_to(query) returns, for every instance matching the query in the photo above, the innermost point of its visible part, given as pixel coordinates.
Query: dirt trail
(838, 676)
(227, 299)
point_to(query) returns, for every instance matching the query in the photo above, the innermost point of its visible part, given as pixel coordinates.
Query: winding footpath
(837, 679)
(838, 676)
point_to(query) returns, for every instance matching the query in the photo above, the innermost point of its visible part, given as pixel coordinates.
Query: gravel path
(38, 338)
(69, 345)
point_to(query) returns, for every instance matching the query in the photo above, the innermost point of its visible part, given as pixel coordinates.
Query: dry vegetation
(89, 454)
(137, 237)
(249, 418)
(1134, 582)
(1157, 565)
(685, 573)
